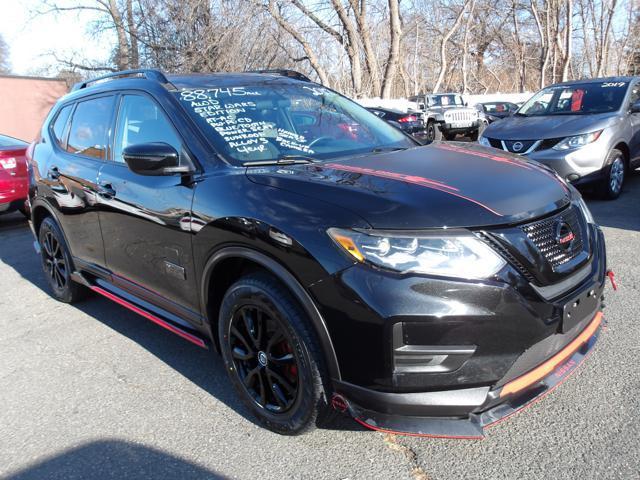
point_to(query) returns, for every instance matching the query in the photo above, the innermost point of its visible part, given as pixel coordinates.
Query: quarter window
(142, 121)
(90, 125)
(60, 124)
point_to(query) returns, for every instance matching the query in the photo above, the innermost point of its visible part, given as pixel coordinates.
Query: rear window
(6, 141)
(90, 125)
(59, 125)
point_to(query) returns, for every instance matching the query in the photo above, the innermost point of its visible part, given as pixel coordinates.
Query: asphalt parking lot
(95, 391)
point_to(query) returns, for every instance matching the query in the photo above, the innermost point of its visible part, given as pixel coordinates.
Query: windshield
(445, 100)
(579, 99)
(271, 121)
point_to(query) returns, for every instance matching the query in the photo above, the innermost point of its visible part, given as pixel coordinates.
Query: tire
(23, 211)
(433, 132)
(57, 263)
(269, 349)
(475, 135)
(615, 172)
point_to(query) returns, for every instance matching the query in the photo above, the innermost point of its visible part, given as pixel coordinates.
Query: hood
(442, 184)
(548, 126)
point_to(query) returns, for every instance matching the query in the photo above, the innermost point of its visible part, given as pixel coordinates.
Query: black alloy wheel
(272, 356)
(263, 358)
(54, 262)
(57, 264)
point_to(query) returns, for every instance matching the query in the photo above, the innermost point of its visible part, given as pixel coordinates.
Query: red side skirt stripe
(149, 316)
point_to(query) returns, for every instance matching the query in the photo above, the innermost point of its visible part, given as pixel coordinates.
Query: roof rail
(147, 73)
(284, 73)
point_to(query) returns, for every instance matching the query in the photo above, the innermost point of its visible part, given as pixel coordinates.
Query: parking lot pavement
(94, 391)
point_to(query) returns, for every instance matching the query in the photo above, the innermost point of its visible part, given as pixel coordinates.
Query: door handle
(54, 173)
(106, 190)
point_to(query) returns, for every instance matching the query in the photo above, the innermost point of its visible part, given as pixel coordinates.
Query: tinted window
(445, 100)
(59, 125)
(272, 120)
(579, 99)
(499, 107)
(89, 135)
(142, 121)
(635, 94)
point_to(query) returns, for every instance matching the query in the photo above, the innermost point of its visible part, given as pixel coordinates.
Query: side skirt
(164, 319)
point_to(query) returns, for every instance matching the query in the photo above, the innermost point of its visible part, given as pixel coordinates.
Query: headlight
(585, 210)
(484, 141)
(451, 254)
(577, 141)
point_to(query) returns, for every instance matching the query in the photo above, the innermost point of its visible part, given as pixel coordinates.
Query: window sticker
(613, 84)
(243, 123)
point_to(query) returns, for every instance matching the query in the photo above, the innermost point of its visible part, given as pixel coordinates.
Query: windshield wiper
(283, 160)
(388, 149)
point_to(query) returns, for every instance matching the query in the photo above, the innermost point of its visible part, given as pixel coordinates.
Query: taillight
(8, 163)
(408, 118)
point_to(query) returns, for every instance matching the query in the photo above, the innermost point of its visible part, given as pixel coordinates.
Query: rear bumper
(465, 413)
(7, 206)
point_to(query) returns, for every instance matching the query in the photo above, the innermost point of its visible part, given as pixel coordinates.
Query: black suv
(334, 262)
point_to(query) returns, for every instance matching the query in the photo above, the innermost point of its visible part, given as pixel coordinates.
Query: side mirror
(635, 108)
(153, 159)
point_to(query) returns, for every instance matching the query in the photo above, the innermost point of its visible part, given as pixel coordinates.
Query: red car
(14, 179)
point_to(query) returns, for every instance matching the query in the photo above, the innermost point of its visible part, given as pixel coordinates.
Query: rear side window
(142, 121)
(59, 125)
(90, 126)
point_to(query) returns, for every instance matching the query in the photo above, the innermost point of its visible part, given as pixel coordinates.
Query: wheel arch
(626, 151)
(243, 259)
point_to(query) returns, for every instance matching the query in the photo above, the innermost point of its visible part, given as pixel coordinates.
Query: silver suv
(588, 131)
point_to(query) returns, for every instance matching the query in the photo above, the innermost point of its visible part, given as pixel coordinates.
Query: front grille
(507, 255)
(543, 235)
(522, 145)
(455, 116)
(495, 143)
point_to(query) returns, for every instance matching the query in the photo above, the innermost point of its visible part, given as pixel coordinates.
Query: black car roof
(223, 79)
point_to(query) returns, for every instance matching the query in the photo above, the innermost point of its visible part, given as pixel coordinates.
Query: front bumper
(463, 344)
(452, 128)
(378, 411)
(580, 165)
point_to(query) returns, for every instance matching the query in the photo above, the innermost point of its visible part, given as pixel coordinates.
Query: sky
(31, 36)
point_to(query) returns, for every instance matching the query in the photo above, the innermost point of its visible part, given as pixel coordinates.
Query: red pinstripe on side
(148, 316)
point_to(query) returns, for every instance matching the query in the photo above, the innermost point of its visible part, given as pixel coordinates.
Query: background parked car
(447, 115)
(489, 112)
(587, 130)
(410, 123)
(14, 179)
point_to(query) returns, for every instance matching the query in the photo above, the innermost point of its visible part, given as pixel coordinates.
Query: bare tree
(4, 56)
(443, 44)
(394, 49)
